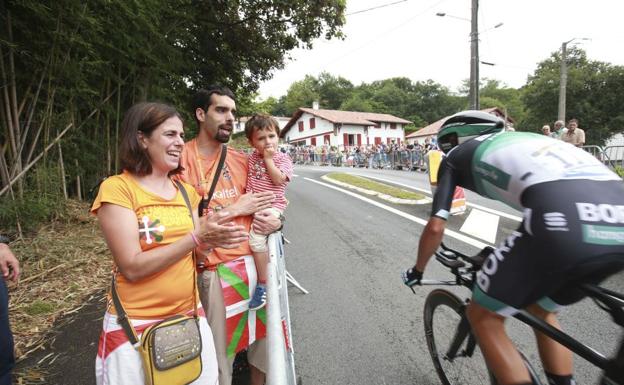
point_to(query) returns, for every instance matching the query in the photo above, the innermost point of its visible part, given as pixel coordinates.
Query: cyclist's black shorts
(572, 232)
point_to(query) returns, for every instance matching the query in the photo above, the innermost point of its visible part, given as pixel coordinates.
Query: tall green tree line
(69, 69)
(594, 95)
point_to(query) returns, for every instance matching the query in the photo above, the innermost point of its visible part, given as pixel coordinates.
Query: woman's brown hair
(143, 117)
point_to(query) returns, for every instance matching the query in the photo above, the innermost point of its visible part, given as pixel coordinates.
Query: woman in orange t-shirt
(151, 235)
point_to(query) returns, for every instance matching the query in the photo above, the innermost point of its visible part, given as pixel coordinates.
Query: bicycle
(452, 345)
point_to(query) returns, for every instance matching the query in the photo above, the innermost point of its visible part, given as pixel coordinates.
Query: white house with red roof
(313, 126)
(432, 129)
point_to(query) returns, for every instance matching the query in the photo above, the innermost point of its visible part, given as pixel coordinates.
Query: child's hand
(269, 151)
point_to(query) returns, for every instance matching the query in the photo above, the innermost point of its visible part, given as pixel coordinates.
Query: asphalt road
(359, 324)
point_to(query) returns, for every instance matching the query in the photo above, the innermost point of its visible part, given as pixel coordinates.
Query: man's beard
(223, 138)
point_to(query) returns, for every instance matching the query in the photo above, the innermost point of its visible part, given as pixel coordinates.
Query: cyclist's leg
(498, 350)
(556, 358)
(513, 276)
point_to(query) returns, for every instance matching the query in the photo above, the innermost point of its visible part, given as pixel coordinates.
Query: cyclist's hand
(411, 277)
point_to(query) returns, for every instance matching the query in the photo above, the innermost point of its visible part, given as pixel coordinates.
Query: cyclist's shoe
(411, 277)
(259, 298)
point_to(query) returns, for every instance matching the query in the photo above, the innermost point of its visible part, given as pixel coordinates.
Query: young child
(269, 170)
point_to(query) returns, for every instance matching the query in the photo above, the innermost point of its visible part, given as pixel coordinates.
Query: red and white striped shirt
(258, 178)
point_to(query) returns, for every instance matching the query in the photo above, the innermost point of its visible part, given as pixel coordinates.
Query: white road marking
(482, 208)
(481, 225)
(451, 233)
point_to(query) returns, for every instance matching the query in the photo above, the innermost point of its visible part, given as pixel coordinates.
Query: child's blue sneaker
(259, 298)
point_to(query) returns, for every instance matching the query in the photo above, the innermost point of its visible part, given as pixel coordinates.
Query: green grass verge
(368, 184)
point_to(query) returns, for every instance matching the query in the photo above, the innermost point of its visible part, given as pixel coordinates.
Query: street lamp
(473, 94)
(563, 78)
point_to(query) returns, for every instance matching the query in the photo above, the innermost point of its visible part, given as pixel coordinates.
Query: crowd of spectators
(571, 134)
(382, 155)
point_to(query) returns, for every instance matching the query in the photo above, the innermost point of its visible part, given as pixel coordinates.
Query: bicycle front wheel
(455, 355)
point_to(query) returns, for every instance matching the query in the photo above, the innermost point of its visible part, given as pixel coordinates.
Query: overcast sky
(408, 39)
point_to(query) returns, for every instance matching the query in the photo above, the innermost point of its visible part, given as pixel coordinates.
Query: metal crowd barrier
(612, 156)
(397, 160)
(280, 353)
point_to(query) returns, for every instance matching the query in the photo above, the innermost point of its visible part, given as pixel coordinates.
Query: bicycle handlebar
(438, 282)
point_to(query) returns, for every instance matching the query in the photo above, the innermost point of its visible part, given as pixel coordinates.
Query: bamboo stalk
(12, 84)
(4, 169)
(62, 170)
(118, 118)
(30, 116)
(108, 143)
(7, 109)
(78, 184)
(19, 176)
(59, 136)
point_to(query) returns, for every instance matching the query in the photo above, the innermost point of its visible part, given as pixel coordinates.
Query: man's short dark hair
(203, 98)
(145, 118)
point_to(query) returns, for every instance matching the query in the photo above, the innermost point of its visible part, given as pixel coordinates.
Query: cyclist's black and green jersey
(573, 206)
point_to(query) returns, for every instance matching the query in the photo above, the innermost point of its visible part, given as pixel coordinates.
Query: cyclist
(572, 231)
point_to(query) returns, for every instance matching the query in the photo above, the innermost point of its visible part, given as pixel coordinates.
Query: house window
(393, 126)
(300, 125)
(312, 123)
(326, 139)
(313, 141)
(377, 125)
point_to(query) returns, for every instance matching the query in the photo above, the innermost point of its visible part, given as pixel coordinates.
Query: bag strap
(193, 256)
(122, 316)
(205, 202)
(218, 172)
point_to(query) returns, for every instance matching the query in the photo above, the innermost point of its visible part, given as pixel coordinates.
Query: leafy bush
(619, 170)
(42, 200)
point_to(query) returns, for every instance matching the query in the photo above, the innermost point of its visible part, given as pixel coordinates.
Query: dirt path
(68, 356)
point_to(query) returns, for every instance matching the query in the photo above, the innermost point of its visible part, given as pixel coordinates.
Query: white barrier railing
(281, 360)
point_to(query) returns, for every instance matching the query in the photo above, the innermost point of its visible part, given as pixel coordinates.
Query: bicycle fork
(462, 332)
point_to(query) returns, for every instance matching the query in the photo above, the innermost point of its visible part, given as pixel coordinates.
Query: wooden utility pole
(474, 57)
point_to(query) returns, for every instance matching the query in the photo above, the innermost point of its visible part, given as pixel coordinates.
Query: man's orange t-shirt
(161, 222)
(199, 172)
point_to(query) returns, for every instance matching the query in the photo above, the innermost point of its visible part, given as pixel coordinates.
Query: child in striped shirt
(269, 170)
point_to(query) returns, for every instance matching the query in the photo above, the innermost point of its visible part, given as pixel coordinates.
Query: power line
(377, 7)
(383, 33)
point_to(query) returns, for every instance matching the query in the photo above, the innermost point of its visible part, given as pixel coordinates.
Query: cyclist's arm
(434, 230)
(429, 241)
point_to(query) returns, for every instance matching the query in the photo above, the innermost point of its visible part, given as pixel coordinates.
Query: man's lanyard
(214, 176)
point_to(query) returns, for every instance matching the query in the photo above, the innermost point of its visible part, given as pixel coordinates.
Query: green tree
(333, 91)
(70, 68)
(494, 94)
(302, 94)
(594, 94)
